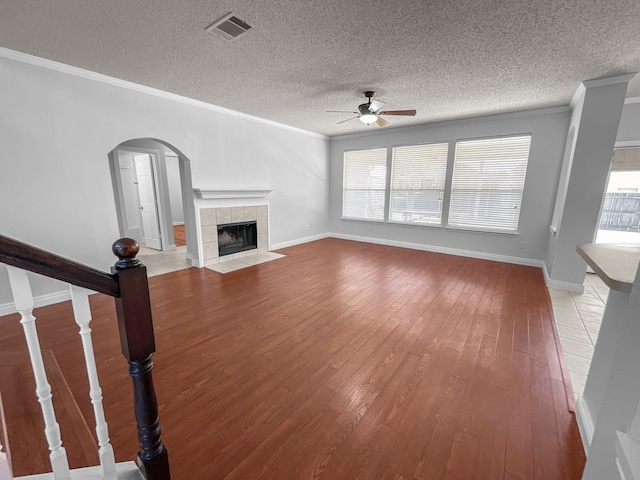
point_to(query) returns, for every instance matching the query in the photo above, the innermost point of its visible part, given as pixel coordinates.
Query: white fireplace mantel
(231, 193)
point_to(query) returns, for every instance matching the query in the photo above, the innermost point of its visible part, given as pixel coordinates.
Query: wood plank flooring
(179, 235)
(342, 360)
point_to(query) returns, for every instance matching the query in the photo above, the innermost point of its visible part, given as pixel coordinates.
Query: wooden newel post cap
(126, 250)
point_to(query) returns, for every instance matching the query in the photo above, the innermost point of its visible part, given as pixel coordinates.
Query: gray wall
(57, 129)
(629, 130)
(549, 131)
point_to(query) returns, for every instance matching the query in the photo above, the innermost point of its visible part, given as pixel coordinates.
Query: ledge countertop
(614, 263)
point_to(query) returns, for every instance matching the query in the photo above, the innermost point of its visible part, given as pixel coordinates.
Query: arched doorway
(154, 202)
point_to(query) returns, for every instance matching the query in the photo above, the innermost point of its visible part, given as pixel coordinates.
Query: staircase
(28, 415)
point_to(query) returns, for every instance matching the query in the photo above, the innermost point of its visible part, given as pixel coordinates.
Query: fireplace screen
(236, 237)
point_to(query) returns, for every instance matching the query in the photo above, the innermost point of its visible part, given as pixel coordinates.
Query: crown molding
(602, 81)
(99, 77)
(461, 121)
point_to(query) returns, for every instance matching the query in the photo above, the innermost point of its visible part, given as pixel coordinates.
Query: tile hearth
(244, 262)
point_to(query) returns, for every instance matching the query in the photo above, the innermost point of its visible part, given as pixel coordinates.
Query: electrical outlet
(306, 228)
(522, 245)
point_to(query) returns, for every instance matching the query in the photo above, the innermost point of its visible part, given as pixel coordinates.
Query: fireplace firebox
(237, 237)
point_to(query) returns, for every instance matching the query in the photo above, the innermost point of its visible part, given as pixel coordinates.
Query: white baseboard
(585, 423)
(530, 262)
(559, 284)
(298, 241)
(40, 301)
(125, 471)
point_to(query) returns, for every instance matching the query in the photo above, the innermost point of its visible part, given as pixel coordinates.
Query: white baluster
(23, 298)
(82, 314)
(5, 468)
(5, 457)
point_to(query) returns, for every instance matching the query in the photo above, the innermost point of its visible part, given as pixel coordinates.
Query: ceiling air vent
(229, 27)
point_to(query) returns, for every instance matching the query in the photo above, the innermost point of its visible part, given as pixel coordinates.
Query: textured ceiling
(447, 59)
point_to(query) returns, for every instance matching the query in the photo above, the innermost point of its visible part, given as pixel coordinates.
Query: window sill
(357, 219)
(512, 233)
(414, 224)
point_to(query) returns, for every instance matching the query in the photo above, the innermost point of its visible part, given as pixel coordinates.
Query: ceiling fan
(370, 112)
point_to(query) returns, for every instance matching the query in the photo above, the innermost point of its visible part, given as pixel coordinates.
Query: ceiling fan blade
(346, 120)
(409, 113)
(381, 122)
(342, 111)
(375, 105)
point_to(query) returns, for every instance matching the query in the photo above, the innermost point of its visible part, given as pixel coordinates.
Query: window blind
(417, 183)
(488, 181)
(364, 184)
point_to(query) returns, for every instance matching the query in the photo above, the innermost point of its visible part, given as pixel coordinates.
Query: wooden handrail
(32, 259)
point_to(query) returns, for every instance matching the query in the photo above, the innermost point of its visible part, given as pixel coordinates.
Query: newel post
(136, 338)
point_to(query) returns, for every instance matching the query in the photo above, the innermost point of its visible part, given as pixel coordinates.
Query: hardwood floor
(342, 360)
(179, 235)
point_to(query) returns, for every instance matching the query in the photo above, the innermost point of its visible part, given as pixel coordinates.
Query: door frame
(152, 201)
(186, 184)
(166, 235)
(617, 146)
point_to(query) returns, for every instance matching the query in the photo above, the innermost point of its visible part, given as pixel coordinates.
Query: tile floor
(159, 263)
(578, 318)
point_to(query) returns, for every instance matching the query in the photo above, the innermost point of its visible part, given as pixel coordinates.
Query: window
(417, 183)
(364, 184)
(487, 184)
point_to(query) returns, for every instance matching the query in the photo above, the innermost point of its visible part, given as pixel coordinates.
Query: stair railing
(128, 284)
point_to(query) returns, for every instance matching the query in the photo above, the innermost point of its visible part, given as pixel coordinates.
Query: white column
(614, 453)
(597, 108)
(23, 298)
(82, 314)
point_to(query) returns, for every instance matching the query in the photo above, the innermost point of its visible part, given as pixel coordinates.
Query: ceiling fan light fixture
(368, 118)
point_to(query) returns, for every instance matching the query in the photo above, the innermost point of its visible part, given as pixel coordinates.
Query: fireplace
(214, 218)
(237, 237)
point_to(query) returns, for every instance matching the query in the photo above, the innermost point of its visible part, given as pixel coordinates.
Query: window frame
(384, 189)
(442, 190)
(488, 228)
(447, 192)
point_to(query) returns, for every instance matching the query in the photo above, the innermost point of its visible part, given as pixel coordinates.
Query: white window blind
(364, 184)
(488, 180)
(417, 183)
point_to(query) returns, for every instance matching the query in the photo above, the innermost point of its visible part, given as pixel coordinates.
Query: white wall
(175, 194)
(56, 130)
(549, 130)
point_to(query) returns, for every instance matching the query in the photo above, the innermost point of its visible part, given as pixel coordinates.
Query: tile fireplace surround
(211, 217)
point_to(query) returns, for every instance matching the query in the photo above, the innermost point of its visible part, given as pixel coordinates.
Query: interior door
(148, 207)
